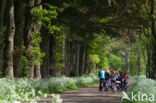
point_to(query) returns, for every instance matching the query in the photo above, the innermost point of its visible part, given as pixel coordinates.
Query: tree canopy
(42, 38)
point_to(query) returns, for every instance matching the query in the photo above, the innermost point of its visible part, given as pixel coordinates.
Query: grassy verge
(144, 89)
(22, 89)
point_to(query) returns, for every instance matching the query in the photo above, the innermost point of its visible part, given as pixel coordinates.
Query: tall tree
(2, 6)
(82, 58)
(153, 29)
(127, 60)
(32, 37)
(28, 40)
(19, 15)
(37, 30)
(45, 46)
(139, 64)
(9, 40)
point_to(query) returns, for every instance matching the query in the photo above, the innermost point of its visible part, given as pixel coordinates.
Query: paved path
(88, 95)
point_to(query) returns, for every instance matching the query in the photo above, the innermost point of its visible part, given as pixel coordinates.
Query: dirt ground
(87, 95)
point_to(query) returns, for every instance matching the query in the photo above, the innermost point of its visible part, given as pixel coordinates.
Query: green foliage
(133, 64)
(24, 65)
(106, 20)
(98, 54)
(105, 62)
(59, 52)
(138, 49)
(24, 62)
(38, 54)
(97, 24)
(59, 66)
(95, 59)
(116, 63)
(47, 15)
(36, 49)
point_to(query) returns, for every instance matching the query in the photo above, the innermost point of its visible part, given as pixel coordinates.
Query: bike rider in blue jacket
(102, 78)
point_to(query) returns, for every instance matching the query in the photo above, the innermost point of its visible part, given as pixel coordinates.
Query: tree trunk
(63, 54)
(71, 57)
(77, 57)
(29, 28)
(37, 29)
(148, 53)
(127, 61)
(38, 72)
(52, 55)
(9, 40)
(2, 6)
(87, 64)
(153, 29)
(154, 61)
(153, 21)
(32, 27)
(145, 58)
(45, 48)
(148, 69)
(67, 58)
(82, 59)
(139, 64)
(19, 7)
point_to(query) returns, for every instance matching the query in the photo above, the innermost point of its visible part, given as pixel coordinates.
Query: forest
(47, 42)
(44, 38)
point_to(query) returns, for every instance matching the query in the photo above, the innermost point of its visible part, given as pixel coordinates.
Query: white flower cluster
(22, 89)
(56, 99)
(144, 85)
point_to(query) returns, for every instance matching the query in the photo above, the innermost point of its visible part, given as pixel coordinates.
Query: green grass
(22, 89)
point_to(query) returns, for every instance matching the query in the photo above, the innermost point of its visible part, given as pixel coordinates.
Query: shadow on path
(87, 95)
(91, 95)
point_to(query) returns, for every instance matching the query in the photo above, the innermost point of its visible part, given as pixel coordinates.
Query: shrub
(74, 73)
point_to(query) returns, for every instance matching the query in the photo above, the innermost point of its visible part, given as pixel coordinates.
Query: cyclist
(101, 79)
